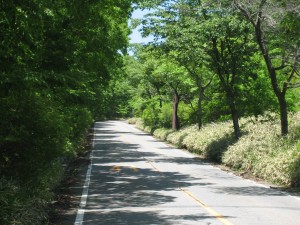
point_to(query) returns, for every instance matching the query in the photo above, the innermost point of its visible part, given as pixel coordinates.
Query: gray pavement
(134, 179)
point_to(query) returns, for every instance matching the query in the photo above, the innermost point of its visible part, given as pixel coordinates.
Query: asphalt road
(134, 179)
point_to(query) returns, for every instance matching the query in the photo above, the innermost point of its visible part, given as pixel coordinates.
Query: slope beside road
(135, 179)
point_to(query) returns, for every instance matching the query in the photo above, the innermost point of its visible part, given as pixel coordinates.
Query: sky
(136, 37)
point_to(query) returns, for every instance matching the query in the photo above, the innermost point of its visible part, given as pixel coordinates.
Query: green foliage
(216, 40)
(186, 114)
(27, 204)
(150, 115)
(56, 60)
(165, 116)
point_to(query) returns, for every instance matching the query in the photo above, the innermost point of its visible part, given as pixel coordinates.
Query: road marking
(84, 195)
(154, 167)
(94, 138)
(199, 202)
(134, 169)
(210, 210)
(118, 168)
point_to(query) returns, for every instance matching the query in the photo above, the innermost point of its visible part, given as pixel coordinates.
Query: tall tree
(230, 49)
(209, 30)
(175, 77)
(277, 33)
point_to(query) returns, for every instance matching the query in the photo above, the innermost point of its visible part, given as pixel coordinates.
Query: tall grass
(261, 151)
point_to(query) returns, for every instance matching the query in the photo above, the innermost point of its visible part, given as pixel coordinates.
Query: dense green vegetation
(64, 64)
(229, 67)
(218, 61)
(56, 60)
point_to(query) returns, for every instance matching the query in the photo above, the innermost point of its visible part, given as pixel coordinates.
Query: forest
(220, 78)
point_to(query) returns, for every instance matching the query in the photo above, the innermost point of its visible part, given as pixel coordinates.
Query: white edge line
(84, 195)
(93, 145)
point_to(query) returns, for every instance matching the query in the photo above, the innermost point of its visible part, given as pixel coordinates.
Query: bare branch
(245, 12)
(260, 11)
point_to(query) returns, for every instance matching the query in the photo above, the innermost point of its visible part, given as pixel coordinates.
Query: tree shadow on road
(121, 192)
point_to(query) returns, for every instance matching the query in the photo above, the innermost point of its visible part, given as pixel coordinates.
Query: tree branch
(245, 12)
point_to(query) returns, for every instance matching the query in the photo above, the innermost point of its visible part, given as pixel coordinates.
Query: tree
(211, 31)
(230, 49)
(56, 60)
(183, 38)
(175, 77)
(277, 34)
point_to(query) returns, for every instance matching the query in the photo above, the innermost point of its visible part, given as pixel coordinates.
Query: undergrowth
(27, 203)
(261, 151)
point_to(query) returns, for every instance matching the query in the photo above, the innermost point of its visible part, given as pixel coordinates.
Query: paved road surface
(134, 179)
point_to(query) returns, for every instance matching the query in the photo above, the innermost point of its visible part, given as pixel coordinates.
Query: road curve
(136, 180)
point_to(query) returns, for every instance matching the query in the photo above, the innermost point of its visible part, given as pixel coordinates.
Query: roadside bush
(37, 133)
(140, 124)
(27, 204)
(150, 116)
(206, 140)
(31, 137)
(148, 129)
(265, 154)
(132, 120)
(176, 138)
(162, 133)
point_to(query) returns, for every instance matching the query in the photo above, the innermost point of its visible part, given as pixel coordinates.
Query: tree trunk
(273, 77)
(235, 120)
(175, 119)
(200, 99)
(283, 115)
(234, 113)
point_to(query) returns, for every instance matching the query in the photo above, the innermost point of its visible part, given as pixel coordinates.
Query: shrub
(132, 120)
(140, 124)
(206, 140)
(177, 137)
(162, 133)
(150, 115)
(27, 204)
(265, 154)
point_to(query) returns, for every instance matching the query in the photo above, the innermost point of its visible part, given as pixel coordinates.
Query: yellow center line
(118, 168)
(154, 167)
(210, 210)
(199, 202)
(203, 205)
